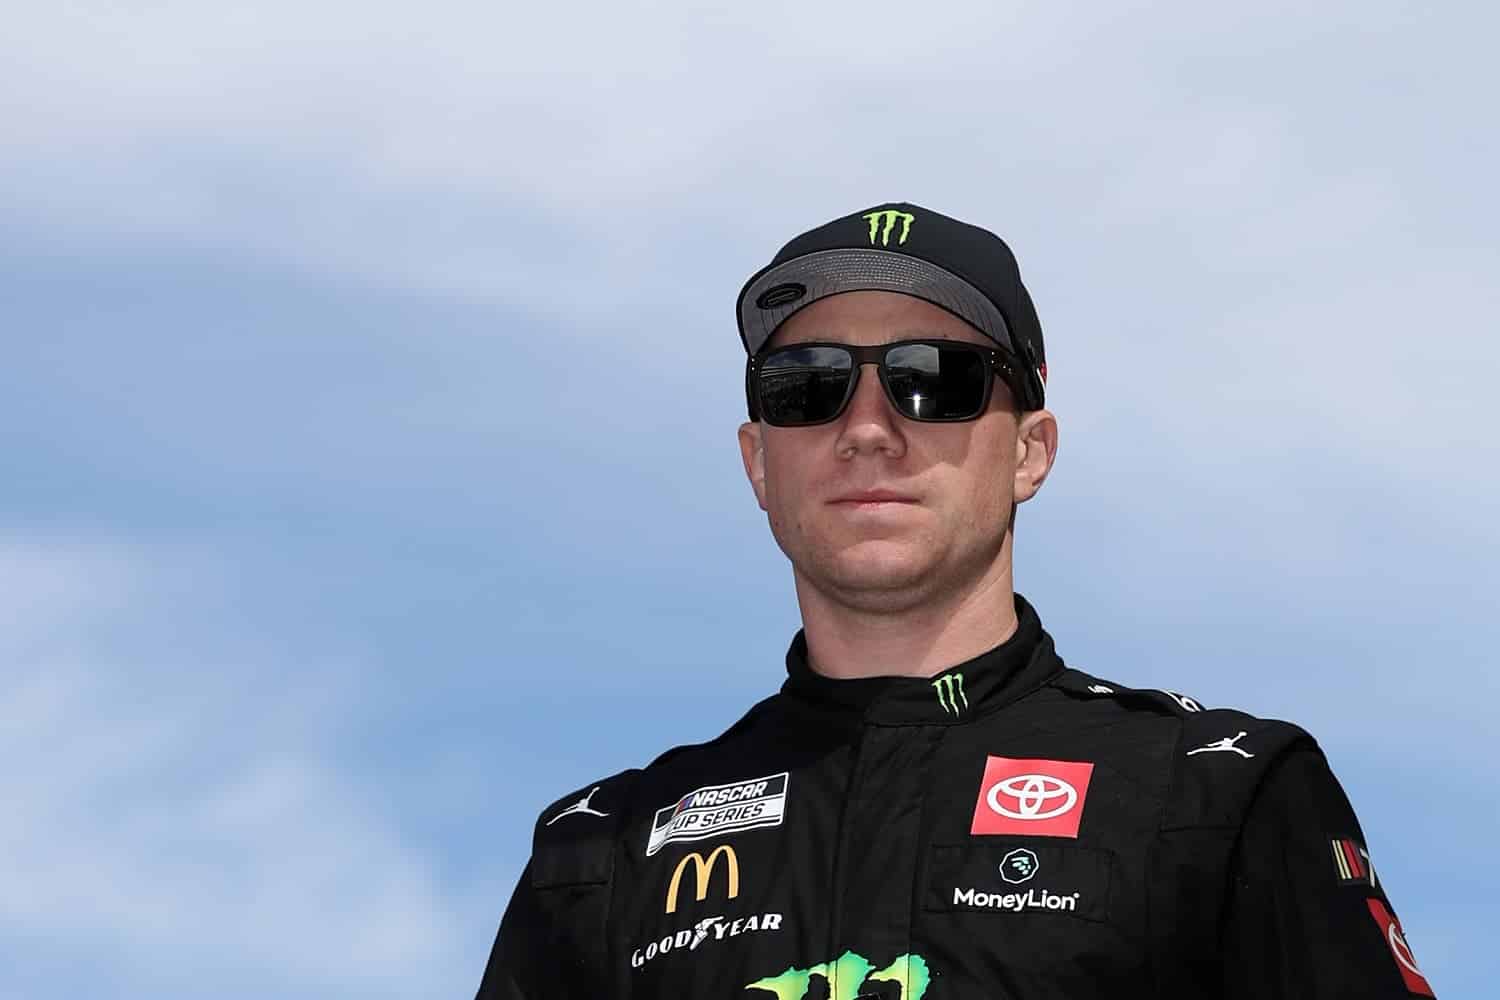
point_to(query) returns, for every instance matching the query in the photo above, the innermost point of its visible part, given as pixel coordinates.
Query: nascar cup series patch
(718, 809)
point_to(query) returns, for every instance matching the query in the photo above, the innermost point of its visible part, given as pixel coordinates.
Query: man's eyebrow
(917, 334)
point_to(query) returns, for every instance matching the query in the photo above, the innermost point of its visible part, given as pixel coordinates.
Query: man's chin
(878, 568)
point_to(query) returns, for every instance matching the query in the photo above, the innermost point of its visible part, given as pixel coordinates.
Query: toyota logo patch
(1032, 796)
(1038, 797)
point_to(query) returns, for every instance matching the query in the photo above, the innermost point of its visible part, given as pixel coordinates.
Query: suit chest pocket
(1028, 916)
(1020, 878)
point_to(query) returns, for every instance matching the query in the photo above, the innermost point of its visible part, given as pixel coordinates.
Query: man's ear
(753, 454)
(1036, 450)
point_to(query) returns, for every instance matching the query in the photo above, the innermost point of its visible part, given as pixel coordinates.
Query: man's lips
(870, 497)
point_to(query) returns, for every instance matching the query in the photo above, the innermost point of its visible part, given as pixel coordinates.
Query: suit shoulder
(1195, 715)
(599, 799)
(573, 840)
(1217, 757)
(1159, 700)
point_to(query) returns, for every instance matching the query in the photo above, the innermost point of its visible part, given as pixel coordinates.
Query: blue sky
(310, 611)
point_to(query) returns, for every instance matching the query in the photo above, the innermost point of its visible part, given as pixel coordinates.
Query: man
(934, 806)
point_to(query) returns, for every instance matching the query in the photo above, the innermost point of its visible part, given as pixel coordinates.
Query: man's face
(879, 512)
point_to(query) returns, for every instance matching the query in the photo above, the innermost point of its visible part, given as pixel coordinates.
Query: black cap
(899, 247)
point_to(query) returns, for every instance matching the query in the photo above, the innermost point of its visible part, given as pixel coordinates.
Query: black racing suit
(1011, 828)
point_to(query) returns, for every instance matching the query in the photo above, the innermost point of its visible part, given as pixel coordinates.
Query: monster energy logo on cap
(889, 217)
(950, 692)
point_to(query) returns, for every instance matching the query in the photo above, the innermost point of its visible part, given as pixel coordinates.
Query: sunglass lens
(804, 385)
(931, 382)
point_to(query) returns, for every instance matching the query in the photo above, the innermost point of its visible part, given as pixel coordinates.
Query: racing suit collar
(959, 694)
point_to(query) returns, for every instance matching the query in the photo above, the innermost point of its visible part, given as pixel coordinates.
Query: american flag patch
(1352, 863)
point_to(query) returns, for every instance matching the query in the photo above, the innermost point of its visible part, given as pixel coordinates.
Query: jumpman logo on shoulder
(1227, 743)
(581, 806)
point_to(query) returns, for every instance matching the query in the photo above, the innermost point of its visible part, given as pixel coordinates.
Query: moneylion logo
(950, 691)
(1018, 865)
(703, 870)
(845, 977)
(889, 217)
(1015, 902)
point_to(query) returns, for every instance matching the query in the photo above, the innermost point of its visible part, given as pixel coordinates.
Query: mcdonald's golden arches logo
(703, 870)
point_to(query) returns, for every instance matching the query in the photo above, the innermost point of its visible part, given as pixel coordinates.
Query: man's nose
(870, 423)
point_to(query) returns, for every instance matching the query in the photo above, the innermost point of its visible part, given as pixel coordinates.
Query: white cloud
(179, 818)
(398, 142)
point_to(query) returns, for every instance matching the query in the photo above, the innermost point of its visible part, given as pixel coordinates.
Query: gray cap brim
(831, 272)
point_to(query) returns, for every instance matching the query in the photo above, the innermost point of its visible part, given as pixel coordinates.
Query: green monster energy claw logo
(846, 975)
(889, 217)
(950, 692)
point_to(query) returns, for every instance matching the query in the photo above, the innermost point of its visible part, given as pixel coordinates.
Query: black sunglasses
(934, 381)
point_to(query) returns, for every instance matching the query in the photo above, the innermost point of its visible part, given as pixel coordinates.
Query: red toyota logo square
(1042, 798)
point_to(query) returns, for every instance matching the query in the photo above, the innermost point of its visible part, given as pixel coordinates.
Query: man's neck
(847, 642)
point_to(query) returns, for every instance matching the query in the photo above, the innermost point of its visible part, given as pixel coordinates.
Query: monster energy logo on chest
(950, 693)
(847, 975)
